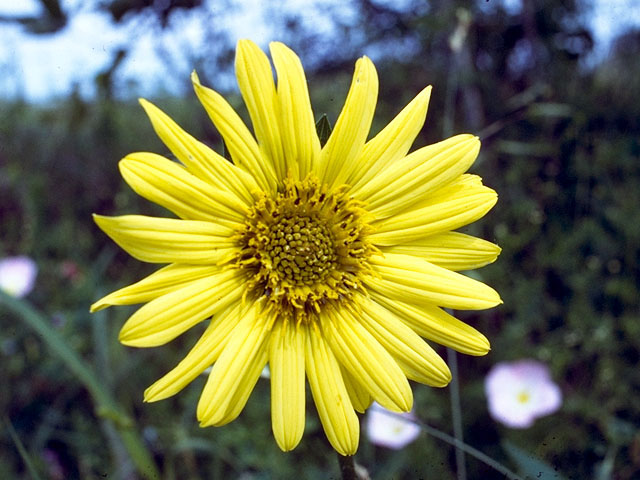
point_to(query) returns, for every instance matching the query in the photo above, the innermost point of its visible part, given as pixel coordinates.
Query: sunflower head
(304, 247)
(330, 262)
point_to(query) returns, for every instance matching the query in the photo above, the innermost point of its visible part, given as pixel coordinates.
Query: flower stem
(347, 467)
(447, 130)
(468, 449)
(456, 413)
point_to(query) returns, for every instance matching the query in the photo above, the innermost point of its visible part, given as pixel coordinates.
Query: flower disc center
(301, 249)
(304, 247)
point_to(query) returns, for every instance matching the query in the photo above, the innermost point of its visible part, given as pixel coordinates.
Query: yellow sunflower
(325, 262)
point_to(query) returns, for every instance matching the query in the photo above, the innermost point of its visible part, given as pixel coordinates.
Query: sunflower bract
(326, 263)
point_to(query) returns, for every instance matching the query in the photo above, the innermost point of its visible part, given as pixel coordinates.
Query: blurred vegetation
(561, 145)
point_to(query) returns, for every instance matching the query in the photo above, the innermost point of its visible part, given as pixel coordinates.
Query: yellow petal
(330, 395)
(452, 250)
(169, 240)
(201, 160)
(258, 90)
(248, 341)
(364, 357)
(247, 382)
(393, 142)
(238, 139)
(166, 317)
(451, 207)
(338, 157)
(424, 171)
(206, 351)
(404, 277)
(297, 125)
(168, 184)
(435, 324)
(286, 363)
(161, 282)
(359, 396)
(416, 359)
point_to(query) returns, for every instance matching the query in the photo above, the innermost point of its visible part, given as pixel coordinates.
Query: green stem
(468, 449)
(347, 467)
(456, 412)
(454, 388)
(106, 405)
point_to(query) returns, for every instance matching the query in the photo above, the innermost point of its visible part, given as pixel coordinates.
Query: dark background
(561, 146)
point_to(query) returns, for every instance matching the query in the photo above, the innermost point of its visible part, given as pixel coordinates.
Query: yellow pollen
(301, 250)
(304, 247)
(523, 397)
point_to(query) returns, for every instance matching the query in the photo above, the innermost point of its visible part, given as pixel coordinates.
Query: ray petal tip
(288, 443)
(147, 396)
(124, 163)
(126, 338)
(490, 294)
(278, 45)
(426, 92)
(244, 44)
(97, 306)
(152, 394)
(101, 220)
(444, 378)
(484, 346)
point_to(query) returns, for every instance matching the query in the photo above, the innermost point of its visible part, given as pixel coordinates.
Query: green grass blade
(22, 450)
(106, 405)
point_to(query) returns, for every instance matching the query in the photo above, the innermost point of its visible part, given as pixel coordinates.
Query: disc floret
(304, 247)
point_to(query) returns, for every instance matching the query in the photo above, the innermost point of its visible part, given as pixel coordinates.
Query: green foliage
(530, 466)
(561, 145)
(324, 129)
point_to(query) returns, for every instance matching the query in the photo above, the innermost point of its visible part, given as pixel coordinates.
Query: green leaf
(323, 127)
(530, 466)
(26, 458)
